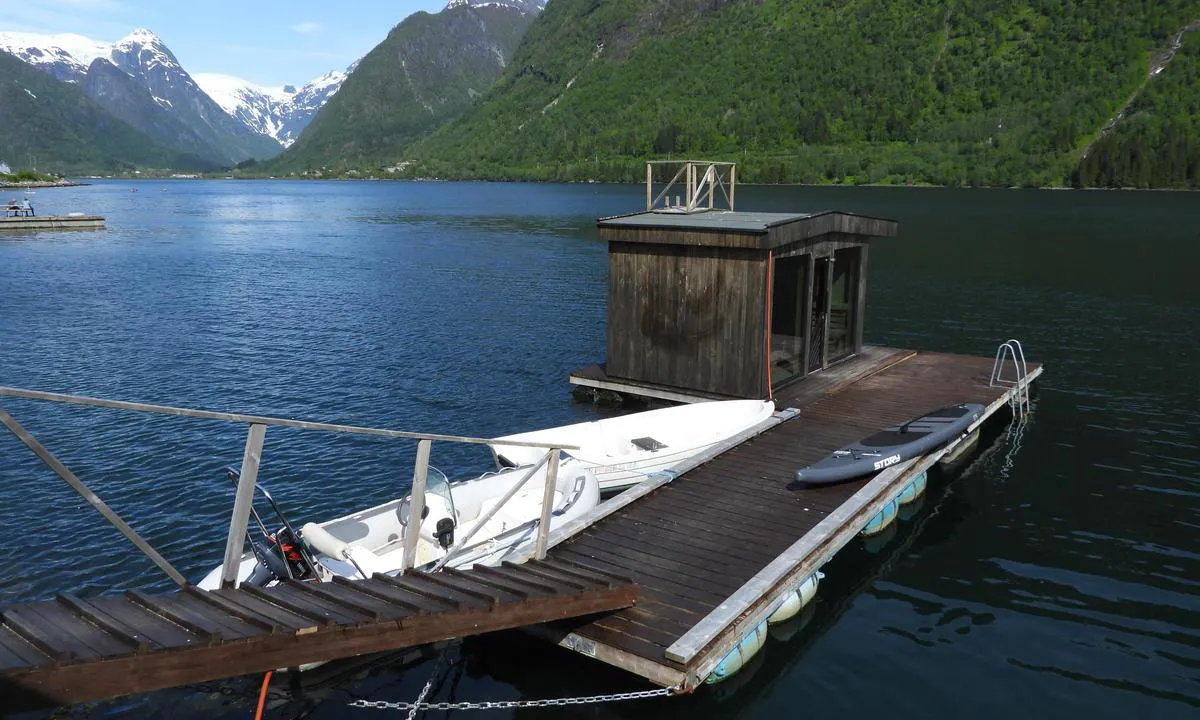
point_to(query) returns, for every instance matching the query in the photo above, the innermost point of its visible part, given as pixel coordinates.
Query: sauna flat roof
(730, 228)
(729, 220)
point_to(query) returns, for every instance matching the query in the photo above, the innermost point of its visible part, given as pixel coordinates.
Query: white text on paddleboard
(891, 460)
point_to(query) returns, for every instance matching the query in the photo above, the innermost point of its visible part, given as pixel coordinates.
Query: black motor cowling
(445, 532)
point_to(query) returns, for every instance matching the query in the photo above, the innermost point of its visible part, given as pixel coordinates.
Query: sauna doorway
(814, 310)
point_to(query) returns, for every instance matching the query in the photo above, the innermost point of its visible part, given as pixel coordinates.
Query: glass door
(819, 314)
(843, 296)
(787, 318)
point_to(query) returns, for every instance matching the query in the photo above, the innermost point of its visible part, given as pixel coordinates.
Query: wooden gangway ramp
(712, 549)
(71, 650)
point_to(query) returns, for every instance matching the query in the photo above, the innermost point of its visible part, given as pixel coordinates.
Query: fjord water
(1059, 573)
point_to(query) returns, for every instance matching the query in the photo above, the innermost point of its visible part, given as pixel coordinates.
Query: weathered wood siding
(679, 236)
(688, 316)
(822, 245)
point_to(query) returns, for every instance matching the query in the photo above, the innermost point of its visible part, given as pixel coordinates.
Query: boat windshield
(437, 494)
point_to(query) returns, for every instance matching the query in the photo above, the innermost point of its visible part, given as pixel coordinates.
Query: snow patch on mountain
(280, 112)
(533, 7)
(66, 56)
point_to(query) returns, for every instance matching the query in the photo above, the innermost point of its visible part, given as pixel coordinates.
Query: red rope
(262, 695)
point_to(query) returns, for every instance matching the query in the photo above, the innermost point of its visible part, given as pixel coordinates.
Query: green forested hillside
(429, 69)
(1157, 142)
(995, 92)
(55, 126)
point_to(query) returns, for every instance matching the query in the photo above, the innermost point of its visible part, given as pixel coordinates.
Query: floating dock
(53, 222)
(704, 303)
(716, 549)
(73, 650)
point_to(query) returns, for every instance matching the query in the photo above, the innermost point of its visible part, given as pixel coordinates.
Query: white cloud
(308, 27)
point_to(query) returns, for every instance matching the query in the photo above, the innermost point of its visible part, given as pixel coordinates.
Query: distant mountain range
(996, 93)
(215, 119)
(430, 69)
(139, 80)
(54, 125)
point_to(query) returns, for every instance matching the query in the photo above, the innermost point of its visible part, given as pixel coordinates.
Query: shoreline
(371, 178)
(39, 184)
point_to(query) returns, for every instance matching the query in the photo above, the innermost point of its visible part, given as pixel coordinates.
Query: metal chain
(437, 669)
(414, 707)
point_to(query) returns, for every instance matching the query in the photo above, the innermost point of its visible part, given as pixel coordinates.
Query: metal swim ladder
(1019, 399)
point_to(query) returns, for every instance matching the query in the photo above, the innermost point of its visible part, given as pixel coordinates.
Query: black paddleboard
(892, 445)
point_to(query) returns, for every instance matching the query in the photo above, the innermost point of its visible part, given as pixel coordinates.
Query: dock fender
(913, 490)
(882, 519)
(796, 600)
(737, 658)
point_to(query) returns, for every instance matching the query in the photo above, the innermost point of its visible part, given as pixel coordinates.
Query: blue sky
(269, 42)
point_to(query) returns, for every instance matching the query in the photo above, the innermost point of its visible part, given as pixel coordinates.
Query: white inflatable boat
(623, 450)
(372, 541)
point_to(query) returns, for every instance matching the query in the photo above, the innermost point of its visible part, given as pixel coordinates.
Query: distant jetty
(77, 221)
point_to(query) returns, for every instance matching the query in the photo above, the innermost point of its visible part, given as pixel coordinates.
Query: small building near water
(705, 302)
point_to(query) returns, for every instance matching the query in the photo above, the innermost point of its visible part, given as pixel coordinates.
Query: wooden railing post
(547, 504)
(649, 187)
(241, 504)
(416, 506)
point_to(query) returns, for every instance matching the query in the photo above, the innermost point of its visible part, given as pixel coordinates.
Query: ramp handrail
(252, 456)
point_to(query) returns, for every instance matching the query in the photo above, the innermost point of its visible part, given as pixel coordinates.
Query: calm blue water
(1060, 573)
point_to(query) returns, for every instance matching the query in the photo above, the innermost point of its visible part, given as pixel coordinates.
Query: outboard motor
(268, 555)
(445, 533)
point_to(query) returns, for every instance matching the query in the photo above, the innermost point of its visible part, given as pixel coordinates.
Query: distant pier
(53, 222)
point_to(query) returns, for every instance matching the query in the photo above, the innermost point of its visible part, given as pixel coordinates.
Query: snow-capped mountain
(140, 80)
(65, 56)
(280, 112)
(530, 7)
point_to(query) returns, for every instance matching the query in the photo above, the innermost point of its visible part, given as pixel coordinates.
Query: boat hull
(623, 450)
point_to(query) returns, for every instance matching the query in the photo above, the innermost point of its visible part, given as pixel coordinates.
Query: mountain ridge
(430, 67)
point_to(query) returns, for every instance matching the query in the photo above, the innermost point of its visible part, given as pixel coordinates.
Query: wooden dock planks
(73, 650)
(694, 543)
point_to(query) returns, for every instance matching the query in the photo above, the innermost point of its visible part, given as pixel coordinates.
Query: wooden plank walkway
(698, 545)
(72, 650)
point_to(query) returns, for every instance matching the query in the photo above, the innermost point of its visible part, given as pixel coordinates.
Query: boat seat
(357, 556)
(648, 444)
(573, 496)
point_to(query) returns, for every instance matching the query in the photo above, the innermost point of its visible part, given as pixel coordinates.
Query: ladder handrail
(1012, 348)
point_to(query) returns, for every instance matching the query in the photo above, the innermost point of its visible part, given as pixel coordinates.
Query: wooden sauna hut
(705, 302)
